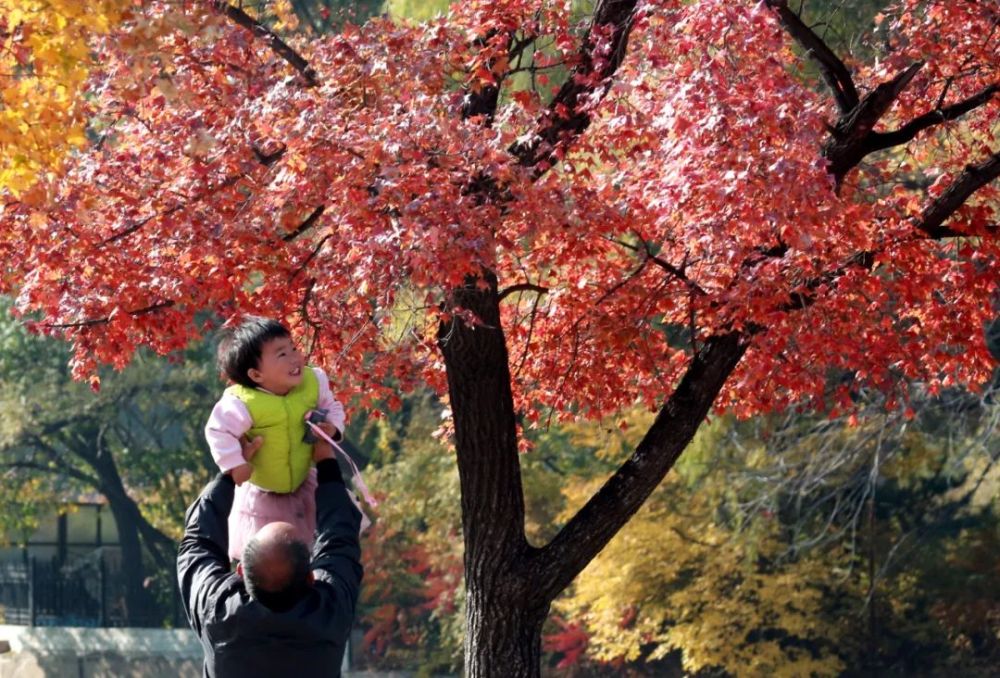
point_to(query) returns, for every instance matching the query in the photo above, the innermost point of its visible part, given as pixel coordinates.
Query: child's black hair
(240, 348)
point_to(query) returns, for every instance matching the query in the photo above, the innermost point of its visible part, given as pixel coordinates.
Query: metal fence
(87, 592)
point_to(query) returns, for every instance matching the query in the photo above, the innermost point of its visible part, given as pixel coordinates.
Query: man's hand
(322, 449)
(242, 473)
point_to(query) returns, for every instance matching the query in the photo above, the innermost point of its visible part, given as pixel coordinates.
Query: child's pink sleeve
(230, 419)
(326, 401)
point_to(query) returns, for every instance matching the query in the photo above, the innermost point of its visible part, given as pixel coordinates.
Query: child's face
(280, 367)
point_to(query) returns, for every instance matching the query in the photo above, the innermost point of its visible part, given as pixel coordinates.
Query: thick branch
(521, 287)
(853, 137)
(568, 115)
(836, 74)
(850, 138)
(112, 486)
(930, 223)
(945, 205)
(483, 102)
(616, 502)
(51, 470)
(279, 46)
(881, 140)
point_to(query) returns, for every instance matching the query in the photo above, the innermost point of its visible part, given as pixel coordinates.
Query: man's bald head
(275, 566)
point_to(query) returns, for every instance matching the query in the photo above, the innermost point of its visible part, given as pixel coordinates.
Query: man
(276, 615)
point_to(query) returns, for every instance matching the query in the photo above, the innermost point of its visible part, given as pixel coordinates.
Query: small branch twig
(279, 46)
(521, 287)
(836, 74)
(105, 320)
(305, 225)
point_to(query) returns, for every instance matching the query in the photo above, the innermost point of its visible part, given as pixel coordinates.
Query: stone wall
(44, 652)
(66, 652)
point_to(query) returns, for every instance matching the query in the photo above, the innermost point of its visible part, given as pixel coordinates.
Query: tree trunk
(138, 598)
(509, 583)
(504, 621)
(504, 632)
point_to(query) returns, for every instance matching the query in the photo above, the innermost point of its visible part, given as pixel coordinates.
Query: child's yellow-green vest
(283, 461)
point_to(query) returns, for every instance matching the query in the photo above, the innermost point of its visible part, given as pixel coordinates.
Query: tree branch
(836, 74)
(305, 225)
(276, 44)
(677, 273)
(568, 116)
(616, 502)
(930, 223)
(112, 486)
(484, 101)
(521, 287)
(54, 470)
(105, 320)
(59, 465)
(881, 140)
(849, 140)
(945, 205)
(308, 260)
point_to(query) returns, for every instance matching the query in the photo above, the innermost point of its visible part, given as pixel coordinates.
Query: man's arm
(202, 562)
(337, 552)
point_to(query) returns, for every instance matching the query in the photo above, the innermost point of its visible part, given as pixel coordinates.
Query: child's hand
(250, 447)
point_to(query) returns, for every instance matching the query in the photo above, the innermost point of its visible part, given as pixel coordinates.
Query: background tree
(138, 443)
(684, 219)
(772, 517)
(808, 545)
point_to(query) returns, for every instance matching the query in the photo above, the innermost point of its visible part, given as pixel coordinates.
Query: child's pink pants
(253, 508)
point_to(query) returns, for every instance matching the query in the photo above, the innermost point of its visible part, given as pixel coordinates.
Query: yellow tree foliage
(676, 579)
(45, 59)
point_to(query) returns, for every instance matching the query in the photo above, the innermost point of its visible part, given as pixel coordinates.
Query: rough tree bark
(504, 619)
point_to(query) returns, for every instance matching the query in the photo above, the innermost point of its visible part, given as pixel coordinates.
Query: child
(272, 393)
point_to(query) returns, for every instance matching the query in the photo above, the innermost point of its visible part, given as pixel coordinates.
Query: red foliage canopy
(694, 181)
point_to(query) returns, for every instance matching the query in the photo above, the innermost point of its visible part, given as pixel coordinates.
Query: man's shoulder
(225, 600)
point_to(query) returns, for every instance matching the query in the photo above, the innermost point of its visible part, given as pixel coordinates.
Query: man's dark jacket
(240, 636)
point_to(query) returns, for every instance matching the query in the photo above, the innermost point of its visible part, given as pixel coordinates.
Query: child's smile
(280, 367)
